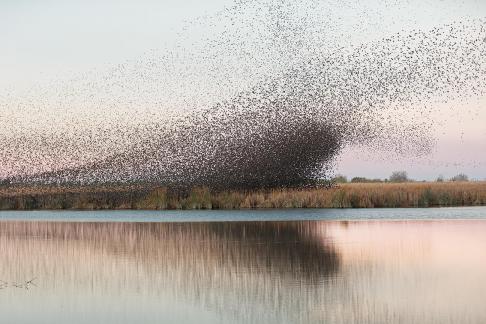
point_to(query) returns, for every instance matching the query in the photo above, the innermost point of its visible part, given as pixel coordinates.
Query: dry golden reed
(349, 195)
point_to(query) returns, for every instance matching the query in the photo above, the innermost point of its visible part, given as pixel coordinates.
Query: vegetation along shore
(341, 195)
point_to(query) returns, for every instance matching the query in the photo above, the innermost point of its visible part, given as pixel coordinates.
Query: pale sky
(41, 41)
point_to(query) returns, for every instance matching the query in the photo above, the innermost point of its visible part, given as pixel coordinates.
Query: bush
(364, 180)
(460, 177)
(399, 176)
(340, 179)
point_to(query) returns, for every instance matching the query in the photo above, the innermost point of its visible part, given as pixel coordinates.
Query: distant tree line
(395, 177)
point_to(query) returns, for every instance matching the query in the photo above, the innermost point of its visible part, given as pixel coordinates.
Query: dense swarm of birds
(270, 101)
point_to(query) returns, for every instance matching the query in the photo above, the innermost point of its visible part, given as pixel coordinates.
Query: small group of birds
(23, 285)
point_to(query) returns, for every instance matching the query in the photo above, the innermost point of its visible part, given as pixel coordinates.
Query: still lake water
(297, 266)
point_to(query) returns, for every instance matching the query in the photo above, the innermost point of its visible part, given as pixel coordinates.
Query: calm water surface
(296, 267)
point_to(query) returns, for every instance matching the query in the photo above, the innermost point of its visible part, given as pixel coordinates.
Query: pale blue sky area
(50, 37)
(53, 36)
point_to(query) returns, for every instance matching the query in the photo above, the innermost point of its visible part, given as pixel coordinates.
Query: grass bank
(350, 195)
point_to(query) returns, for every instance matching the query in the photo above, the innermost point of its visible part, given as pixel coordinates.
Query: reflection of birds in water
(289, 248)
(283, 129)
(217, 265)
(286, 248)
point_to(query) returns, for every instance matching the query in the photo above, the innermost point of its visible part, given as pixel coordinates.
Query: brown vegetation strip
(351, 195)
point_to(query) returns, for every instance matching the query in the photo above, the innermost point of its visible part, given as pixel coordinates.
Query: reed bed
(348, 195)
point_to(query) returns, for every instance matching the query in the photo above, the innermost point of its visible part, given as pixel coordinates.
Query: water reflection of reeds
(257, 266)
(253, 272)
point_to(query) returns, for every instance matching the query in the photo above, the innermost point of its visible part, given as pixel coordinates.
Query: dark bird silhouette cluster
(264, 103)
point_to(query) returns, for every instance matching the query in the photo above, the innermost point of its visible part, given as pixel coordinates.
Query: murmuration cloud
(279, 125)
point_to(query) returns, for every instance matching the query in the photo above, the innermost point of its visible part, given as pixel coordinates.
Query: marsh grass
(347, 195)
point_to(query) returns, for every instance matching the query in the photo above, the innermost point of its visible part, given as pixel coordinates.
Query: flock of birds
(281, 124)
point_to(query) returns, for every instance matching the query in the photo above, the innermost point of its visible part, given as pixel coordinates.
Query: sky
(41, 41)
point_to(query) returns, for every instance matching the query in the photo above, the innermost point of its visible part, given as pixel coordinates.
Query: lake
(266, 266)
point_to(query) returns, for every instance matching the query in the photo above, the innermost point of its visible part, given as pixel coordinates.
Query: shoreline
(149, 197)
